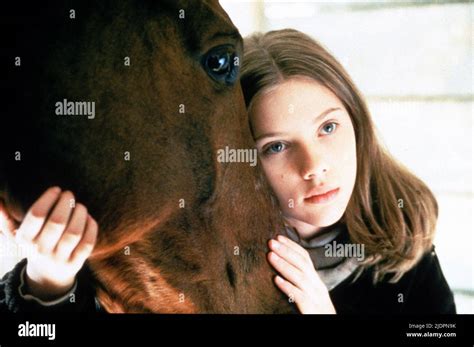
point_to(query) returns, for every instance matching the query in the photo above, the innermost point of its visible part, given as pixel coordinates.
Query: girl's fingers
(309, 274)
(9, 233)
(293, 293)
(73, 233)
(52, 231)
(289, 254)
(8, 225)
(87, 243)
(34, 219)
(286, 270)
(293, 245)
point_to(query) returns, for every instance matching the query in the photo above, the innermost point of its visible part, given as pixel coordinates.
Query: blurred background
(413, 61)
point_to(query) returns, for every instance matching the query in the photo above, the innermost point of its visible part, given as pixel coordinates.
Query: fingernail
(55, 189)
(275, 244)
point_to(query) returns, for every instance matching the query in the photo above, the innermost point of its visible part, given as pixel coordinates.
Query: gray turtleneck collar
(331, 270)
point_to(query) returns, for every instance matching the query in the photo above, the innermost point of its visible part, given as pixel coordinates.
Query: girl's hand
(299, 280)
(59, 236)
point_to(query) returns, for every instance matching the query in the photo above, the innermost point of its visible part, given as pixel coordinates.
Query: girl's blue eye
(274, 148)
(329, 128)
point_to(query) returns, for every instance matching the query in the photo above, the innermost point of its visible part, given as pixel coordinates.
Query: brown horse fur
(153, 254)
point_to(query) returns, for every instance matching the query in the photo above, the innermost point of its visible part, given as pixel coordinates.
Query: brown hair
(395, 237)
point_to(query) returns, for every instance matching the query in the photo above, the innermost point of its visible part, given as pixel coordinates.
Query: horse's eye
(222, 64)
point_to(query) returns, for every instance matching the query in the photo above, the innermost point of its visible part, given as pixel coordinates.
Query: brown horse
(179, 231)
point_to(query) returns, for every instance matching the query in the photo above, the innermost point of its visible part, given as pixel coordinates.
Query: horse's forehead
(189, 9)
(183, 4)
(198, 20)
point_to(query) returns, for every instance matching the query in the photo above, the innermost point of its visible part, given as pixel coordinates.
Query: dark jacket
(421, 290)
(11, 301)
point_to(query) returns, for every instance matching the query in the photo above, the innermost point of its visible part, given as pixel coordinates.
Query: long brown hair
(391, 211)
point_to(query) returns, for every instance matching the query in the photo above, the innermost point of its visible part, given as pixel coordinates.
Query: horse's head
(157, 85)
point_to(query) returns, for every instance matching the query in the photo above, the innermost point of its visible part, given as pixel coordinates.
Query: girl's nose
(313, 165)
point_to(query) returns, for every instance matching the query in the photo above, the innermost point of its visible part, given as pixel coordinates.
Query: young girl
(360, 225)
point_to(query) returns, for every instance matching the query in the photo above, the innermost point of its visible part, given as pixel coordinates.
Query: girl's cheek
(347, 165)
(345, 149)
(277, 183)
(282, 179)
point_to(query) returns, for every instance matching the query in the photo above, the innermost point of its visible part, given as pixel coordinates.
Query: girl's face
(307, 148)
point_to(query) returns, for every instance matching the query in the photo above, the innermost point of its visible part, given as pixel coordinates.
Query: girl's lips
(323, 198)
